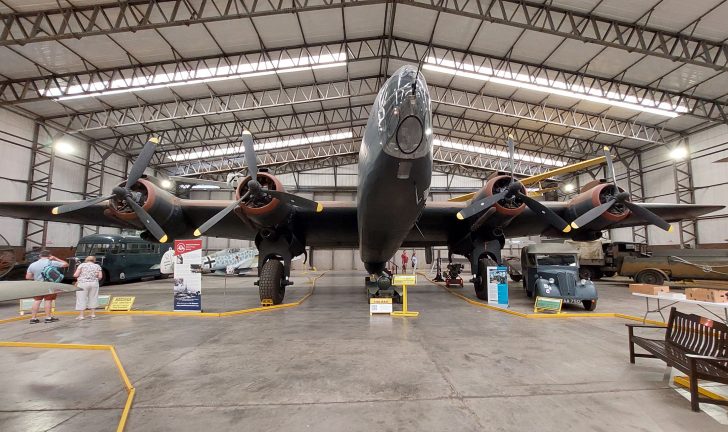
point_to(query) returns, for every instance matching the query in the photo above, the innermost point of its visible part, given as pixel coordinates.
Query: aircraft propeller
(619, 198)
(255, 190)
(125, 193)
(514, 190)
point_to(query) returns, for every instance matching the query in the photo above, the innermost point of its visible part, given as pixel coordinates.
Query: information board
(404, 279)
(188, 275)
(497, 280)
(547, 304)
(121, 303)
(380, 305)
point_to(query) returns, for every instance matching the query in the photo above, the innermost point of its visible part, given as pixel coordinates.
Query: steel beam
(40, 183)
(635, 187)
(190, 70)
(685, 194)
(81, 21)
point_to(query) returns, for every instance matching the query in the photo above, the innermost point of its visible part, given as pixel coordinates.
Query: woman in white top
(88, 275)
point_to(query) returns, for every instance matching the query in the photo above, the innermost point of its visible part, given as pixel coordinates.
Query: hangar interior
(84, 84)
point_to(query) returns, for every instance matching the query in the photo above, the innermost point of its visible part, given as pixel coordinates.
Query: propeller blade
(78, 205)
(251, 161)
(220, 215)
(551, 216)
(296, 200)
(142, 161)
(511, 155)
(610, 166)
(648, 216)
(147, 221)
(592, 214)
(481, 204)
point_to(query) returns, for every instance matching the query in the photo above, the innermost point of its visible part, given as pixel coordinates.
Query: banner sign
(188, 275)
(497, 286)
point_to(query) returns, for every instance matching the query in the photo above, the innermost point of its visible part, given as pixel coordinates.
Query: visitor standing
(88, 276)
(45, 269)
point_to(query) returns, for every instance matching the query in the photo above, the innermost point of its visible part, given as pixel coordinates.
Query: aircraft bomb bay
(363, 215)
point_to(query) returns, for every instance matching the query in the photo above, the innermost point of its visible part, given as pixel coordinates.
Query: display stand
(404, 280)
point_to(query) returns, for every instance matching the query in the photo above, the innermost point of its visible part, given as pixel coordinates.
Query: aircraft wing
(14, 290)
(670, 212)
(196, 212)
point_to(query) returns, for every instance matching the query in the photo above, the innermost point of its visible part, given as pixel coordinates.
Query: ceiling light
(184, 77)
(679, 153)
(63, 147)
(498, 153)
(550, 86)
(569, 187)
(239, 150)
(166, 184)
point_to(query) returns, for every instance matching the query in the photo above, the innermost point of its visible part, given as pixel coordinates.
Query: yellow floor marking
(130, 390)
(562, 315)
(684, 381)
(311, 280)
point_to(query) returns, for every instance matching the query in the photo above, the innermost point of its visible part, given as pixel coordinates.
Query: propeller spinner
(514, 190)
(255, 190)
(125, 194)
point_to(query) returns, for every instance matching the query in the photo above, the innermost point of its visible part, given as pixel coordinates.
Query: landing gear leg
(274, 268)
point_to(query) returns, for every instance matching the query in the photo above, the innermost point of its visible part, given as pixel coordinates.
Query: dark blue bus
(122, 257)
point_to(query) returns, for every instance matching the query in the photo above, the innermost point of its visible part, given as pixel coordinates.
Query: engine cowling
(593, 195)
(161, 205)
(264, 211)
(508, 207)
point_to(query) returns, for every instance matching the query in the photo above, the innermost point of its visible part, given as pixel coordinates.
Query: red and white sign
(186, 246)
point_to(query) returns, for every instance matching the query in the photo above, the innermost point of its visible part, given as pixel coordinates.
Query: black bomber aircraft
(391, 210)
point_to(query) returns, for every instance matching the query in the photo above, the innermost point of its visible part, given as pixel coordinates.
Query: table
(674, 301)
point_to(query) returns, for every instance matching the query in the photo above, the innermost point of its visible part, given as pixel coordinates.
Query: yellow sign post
(121, 303)
(403, 281)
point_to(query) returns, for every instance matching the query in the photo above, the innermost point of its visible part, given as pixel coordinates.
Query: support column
(93, 180)
(635, 181)
(685, 194)
(40, 181)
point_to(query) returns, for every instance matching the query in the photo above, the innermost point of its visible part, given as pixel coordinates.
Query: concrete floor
(328, 366)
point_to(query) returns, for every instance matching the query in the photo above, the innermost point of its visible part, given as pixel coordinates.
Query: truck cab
(552, 270)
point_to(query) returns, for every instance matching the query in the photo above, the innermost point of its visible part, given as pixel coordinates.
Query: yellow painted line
(563, 315)
(683, 381)
(311, 280)
(130, 390)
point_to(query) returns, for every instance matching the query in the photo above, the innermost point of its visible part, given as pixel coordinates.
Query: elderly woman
(88, 275)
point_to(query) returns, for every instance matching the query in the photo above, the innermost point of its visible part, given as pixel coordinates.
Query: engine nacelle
(593, 195)
(508, 207)
(263, 211)
(161, 205)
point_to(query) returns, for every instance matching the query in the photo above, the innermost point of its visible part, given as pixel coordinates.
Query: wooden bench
(694, 345)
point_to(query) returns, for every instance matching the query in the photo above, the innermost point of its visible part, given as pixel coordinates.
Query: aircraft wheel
(609, 273)
(481, 280)
(270, 285)
(516, 278)
(589, 305)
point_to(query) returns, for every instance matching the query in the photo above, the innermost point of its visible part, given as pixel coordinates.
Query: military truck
(552, 270)
(676, 264)
(597, 259)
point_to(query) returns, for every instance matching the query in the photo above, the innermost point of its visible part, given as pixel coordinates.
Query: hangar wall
(68, 179)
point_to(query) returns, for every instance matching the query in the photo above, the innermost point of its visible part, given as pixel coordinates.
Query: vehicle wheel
(481, 280)
(587, 273)
(269, 285)
(651, 277)
(105, 280)
(590, 305)
(610, 273)
(516, 278)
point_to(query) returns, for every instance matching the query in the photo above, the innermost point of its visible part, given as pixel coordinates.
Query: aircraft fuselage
(395, 166)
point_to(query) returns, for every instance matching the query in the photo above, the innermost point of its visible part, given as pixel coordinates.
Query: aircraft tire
(270, 285)
(481, 280)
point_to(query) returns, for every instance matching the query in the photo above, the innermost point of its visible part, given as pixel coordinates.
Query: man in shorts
(35, 272)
